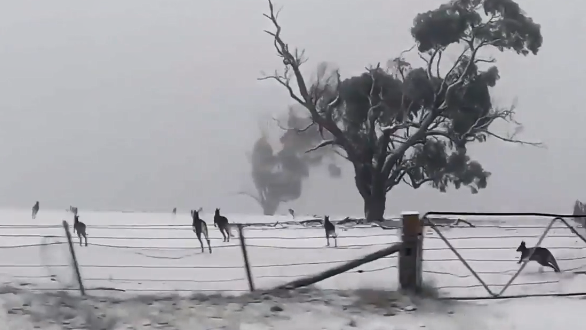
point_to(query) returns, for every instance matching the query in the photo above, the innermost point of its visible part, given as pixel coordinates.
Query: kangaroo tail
(554, 264)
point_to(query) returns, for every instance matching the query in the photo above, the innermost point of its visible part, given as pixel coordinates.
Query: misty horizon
(145, 105)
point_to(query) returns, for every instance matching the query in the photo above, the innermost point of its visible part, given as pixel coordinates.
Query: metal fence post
(245, 256)
(410, 256)
(73, 257)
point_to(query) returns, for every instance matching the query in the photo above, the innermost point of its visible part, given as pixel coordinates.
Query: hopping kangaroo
(199, 227)
(330, 231)
(80, 228)
(35, 209)
(541, 255)
(221, 222)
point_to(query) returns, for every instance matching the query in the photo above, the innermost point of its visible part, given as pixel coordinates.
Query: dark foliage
(278, 175)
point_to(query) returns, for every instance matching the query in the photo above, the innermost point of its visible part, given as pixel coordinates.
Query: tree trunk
(371, 188)
(374, 206)
(270, 206)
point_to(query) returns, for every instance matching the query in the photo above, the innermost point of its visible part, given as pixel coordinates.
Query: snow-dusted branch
(322, 144)
(298, 130)
(292, 62)
(285, 80)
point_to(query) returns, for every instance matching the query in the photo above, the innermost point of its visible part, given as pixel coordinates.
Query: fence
(111, 262)
(542, 229)
(134, 259)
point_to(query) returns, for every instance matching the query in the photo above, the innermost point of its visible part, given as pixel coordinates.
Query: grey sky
(144, 104)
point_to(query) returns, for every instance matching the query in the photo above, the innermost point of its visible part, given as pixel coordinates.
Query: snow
(141, 271)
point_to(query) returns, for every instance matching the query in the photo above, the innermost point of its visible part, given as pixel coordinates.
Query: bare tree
(411, 125)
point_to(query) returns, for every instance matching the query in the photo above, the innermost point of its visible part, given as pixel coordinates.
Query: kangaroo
(174, 211)
(542, 255)
(330, 231)
(35, 209)
(292, 212)
(80, 228)
(199, 227)
(221, 222)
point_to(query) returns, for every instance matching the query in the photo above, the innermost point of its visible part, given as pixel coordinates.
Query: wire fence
(161, 261)
(494, 272)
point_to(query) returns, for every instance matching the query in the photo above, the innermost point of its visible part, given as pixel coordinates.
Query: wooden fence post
(245, 256)
(410, 256)
(73, 257)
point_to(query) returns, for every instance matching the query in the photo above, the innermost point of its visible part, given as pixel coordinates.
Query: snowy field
(147, 252)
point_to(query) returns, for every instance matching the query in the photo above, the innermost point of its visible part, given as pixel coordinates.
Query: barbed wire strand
(278, 226)
(20, 246)
(493, 285)
(163, 248)
(284, 237)
(113, 279)
(179, 266)
(494, 260)
(352, 246)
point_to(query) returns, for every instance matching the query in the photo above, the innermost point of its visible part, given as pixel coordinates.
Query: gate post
(410, 255)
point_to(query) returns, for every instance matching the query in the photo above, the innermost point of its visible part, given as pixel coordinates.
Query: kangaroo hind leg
(205, 233)
(200, 242)
(227, 231)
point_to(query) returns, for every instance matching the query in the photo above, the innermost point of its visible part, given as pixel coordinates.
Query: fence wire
(513, 273)
(261, 242)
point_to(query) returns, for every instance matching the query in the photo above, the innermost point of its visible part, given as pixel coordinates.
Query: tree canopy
(278, 173)
(412, 125)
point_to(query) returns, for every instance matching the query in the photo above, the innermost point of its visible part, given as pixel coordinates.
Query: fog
(150, 105)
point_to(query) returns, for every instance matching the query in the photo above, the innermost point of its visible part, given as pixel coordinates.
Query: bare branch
(298, 130)
(293, 61)
(321, 145)
(284, 80)
(513, 140)
(460, 80)
(485, 60)
(431, 61)
(437, 66)
(482, 125)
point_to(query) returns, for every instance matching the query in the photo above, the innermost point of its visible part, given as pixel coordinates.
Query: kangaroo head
(521, 247)
(326, 218)
(217, 211)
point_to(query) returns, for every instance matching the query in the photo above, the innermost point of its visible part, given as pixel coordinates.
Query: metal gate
(555, 218)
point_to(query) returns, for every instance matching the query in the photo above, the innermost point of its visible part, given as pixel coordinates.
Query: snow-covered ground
(132, 254)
